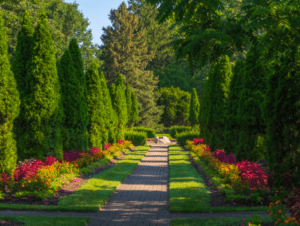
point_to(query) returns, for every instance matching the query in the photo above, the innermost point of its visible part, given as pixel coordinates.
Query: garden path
(142, 199)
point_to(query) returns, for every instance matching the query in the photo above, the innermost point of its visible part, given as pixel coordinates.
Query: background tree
(42, 106)
(10, 107)
(194, 109)
(96, 126)
(128, 103)
(250, 109)
(176, 106)
(232, 127)
(82, 110)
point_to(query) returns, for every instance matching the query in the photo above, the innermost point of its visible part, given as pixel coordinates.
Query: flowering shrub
(294, 204)
(95, 150)
(220, 154)
(50, 160)
(120, 141)
(72, 155)
(200, 141)
(107, 146)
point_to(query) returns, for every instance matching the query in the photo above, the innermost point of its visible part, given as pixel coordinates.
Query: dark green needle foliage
(9, 108)
(124, 105)
(250, 108)
(82, 110)
(128, 102)
(112, 92)
(194, 109)
(95, 107)
(134, 108)
(43, 111)
(204, 104)
(231, 135)
(23, 51)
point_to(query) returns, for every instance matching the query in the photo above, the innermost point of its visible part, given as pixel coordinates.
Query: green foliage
(43, 111)
(194, 109)
(250, 109)
(112, 92)
(128, 102)
(178, 129)
(9, 108)
(96, 127)
(232, 128)
(134, 108)
(182, 137)
(120, 84)
(82, 110)
(137, 138)
(176, 106)
(150, 132)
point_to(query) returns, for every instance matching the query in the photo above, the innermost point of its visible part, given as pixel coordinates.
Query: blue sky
(97, 12)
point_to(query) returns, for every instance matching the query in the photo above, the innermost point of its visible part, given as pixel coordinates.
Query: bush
(185, 136)
(150, 132)
(178, 129)
(137, 138)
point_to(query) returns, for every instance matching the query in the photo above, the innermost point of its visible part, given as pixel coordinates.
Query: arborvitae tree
(9, 108)
(70, 88)
(134, 108)
(121, 111)
(82, 110)
(194, 109)
(232, 128)
(23, 51)
(250, 109)
(128, 102)
(43, 111)
(218, 94)
(110, 117)
(204, 106)
(124, 105)
(96, 108)
(112, 92)
(281, 112)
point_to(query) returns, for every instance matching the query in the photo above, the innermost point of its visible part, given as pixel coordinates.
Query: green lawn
(95, 193)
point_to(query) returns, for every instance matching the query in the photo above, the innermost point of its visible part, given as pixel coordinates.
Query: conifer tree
(23, 51)
(194, 109)
(70, 88)
(124, 104)
(9, 108)
(112, 92)
(95, 106)
(43, 111)
(128, 102)
(204, 106)
(134, 108)
(250, 109)
(82, 110)
(232, 128)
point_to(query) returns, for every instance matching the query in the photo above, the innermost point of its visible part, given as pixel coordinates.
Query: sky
(97, 12)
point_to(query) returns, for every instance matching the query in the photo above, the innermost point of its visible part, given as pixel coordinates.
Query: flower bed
(244, 180)
(40, 179)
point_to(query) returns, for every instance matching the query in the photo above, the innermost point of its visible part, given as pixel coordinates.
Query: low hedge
(178, 129)
(185, 136)
(150, 132)
(137, 138)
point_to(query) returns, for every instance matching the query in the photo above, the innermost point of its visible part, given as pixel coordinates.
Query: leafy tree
(176, 106)
(82, 110)
(194, 109)
(43, 111)
(128, 102)
(9, 110)
(134, 108)
(218, 95)
(95, 103)
(232, 127)
(250, 109)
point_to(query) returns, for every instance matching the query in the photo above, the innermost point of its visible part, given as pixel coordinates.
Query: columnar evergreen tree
(281, 112)
(9, 108)
(194, 109)
(232, 128)
(22, 55)
(204, 106)
(121, 111)
(128, 102)
(43, 111)
(82, 110)
(250, 109)
(112, 92)
(218, 94)
(124, 105)
(96, 127)
(134, 108)
(70, 89)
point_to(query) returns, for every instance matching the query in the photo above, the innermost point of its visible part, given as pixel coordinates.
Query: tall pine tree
(95, 107)
(82, 110)
(9, 108)
(194, 109)
(43, 111)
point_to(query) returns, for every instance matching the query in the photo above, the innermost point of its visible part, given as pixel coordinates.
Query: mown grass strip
(215, 221)
(95, 193)
(187, 189)
(49, 221)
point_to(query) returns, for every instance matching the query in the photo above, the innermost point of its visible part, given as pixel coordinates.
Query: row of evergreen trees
(252, 112)
(49, 106)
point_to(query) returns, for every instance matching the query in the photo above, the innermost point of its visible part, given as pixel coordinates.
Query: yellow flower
(277, 202)
(279, 211)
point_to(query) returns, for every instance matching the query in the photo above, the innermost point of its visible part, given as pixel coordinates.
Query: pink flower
(29, 196)
(75, 180)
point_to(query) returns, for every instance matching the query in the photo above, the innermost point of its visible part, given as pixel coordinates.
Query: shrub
(178, 129)
(185, 136)
(137, 138)
(150, 132)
